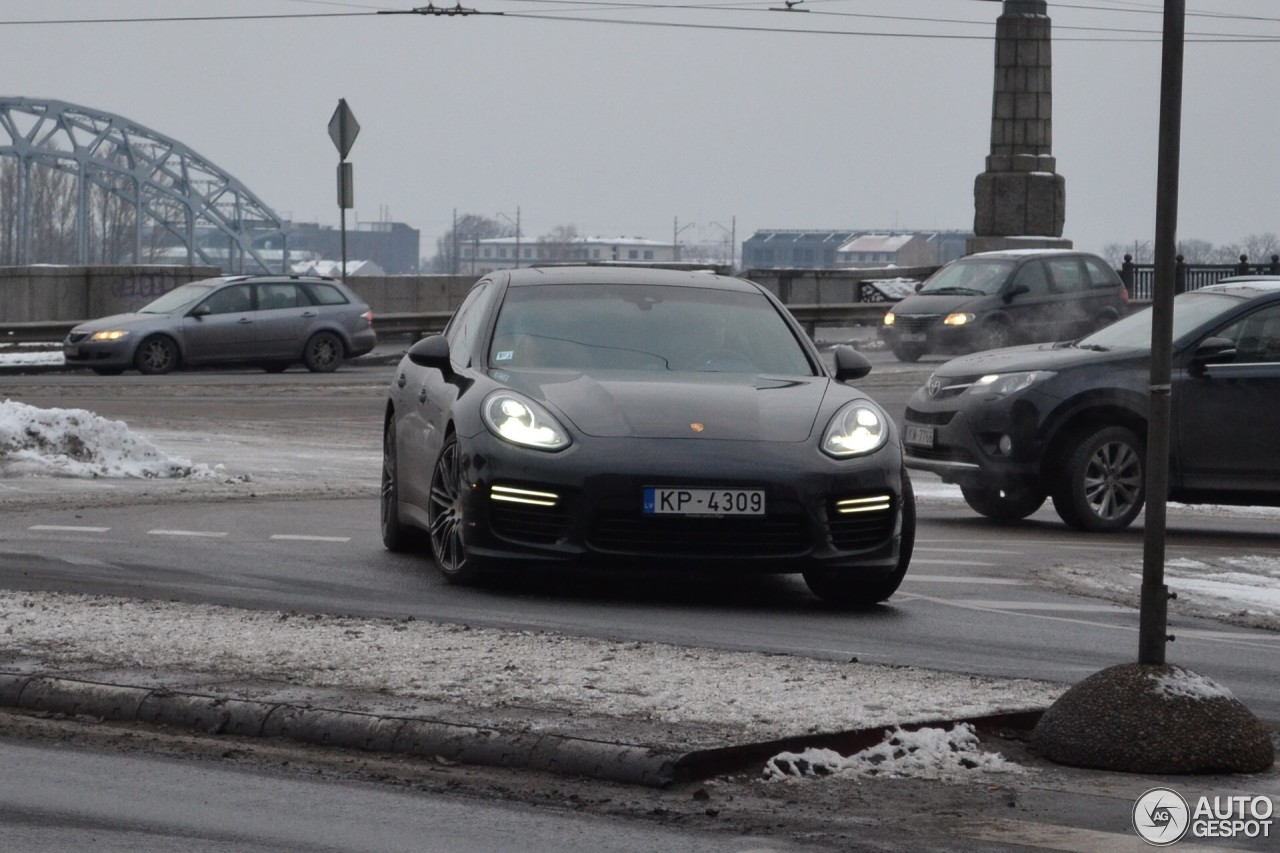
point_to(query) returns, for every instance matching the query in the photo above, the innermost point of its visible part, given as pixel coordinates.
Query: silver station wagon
(268, 321)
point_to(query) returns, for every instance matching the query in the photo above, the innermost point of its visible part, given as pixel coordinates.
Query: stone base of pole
(974, 245)
(1142, 718)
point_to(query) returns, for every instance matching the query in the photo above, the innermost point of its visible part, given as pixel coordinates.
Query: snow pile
(38, 442)
(1185, 683)
(927, 753)
(746, 693)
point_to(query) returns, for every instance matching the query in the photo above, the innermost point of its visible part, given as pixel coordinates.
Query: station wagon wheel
(156, 355)
(1101, 486)
(848, 588)
(1004, 505)
(444, 517)
(396, 535)
(323, 352)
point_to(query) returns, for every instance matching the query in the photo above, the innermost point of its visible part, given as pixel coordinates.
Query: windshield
(644, 327)
(180, 298)
(1190, 310)
(970, 275)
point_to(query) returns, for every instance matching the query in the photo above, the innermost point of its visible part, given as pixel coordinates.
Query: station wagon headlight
(1009, 383)
(521, 421)
(857, 429)
(960, 318)
(108, 335)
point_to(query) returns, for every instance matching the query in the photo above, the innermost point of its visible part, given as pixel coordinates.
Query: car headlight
(108, 335)
(960, 318)
(521, 421)
(1009, 383)
(889, 318)
(857, 429)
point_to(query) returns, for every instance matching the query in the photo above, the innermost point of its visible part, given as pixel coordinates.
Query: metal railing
(1139, 278)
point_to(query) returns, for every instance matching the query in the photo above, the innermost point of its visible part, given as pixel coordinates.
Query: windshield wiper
(953, 290)
(1092, 347)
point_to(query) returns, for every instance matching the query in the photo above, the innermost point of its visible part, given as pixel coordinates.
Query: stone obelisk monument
(1020, 200)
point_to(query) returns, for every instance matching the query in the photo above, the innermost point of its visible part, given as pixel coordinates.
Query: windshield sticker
(505, 355)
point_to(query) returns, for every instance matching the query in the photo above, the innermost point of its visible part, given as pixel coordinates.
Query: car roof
(1247, 286)
(1018, 254)
(626, 275)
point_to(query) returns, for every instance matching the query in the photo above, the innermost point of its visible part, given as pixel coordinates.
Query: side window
(324, 294)
(235, 299)
(1099, 273)
(1257, 336)
(1068, 275)
(1033, 277)
(464, 325)
(281, 294)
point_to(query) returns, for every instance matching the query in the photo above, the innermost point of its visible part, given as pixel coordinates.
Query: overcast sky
(881, 120)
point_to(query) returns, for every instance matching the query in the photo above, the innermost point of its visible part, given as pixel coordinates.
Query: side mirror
(1214, 350)
(432, 351)
(850, 364)
(919, 284)
(201, 311)
(1016, 290)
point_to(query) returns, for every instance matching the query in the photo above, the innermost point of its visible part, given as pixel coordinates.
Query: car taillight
(1124, 295)
(368, 315)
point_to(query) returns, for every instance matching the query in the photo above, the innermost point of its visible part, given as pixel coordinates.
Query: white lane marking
(916, 562)
(1050, 605)
(206, 533)
(957, 579)
(1070, 839)
(972, 551)
(1241, 639)
(292, 537)
(69, 528)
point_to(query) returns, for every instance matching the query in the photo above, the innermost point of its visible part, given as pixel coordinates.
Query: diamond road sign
(343, 128)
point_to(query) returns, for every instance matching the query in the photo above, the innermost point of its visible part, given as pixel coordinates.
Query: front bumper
(964, 441)
(594, 510)
(78, 350)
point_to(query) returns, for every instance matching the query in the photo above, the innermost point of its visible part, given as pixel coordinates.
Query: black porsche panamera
(625, 416)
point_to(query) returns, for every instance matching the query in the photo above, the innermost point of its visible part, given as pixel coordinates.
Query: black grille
(635, 533)
(916, 416)
(77, 337)
(524, 523)
(861, 531)
(914, 322)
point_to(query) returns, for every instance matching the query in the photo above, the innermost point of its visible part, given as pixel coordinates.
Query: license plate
(665, 501)
(912, 337)
(918, 435)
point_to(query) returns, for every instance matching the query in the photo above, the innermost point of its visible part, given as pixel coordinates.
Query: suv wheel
(1004, 505)
(907, 352)
(1101, 485)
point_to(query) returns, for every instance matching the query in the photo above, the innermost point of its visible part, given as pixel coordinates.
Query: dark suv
(996, 299)
(1069, 420)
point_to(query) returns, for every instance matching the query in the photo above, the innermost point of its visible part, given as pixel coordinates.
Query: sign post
(343, 129)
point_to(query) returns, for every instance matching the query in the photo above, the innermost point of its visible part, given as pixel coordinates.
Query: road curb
(632, 764)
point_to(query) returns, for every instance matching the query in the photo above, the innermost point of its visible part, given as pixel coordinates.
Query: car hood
(119, 321)
(682, 405)
(1055, 357)
(942, 303)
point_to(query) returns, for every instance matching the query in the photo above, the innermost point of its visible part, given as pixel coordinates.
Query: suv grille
(914, 322)
(929, 418)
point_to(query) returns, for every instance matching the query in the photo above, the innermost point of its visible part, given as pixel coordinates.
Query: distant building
(502, 253)
(780, 249)
(333, 269)
(393, 246)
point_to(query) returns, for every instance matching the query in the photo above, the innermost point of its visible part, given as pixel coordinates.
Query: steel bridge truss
(170, 188)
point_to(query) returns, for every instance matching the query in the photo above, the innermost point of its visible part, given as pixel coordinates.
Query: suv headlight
(1009, 383)
(517, 419)
(857, 429)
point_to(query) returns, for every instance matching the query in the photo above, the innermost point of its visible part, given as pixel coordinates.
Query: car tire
(907, 352)
(996, 334)
(396, 535)
(444, 518)
(1101, 485)
(848, 589)
(156, 355)
(323, 352)
(1004, 505)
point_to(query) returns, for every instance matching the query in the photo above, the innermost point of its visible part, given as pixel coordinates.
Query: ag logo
(1161, 816)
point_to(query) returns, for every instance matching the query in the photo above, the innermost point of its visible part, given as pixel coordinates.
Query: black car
(1069, 420)
(627, 416)
(997, 299)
